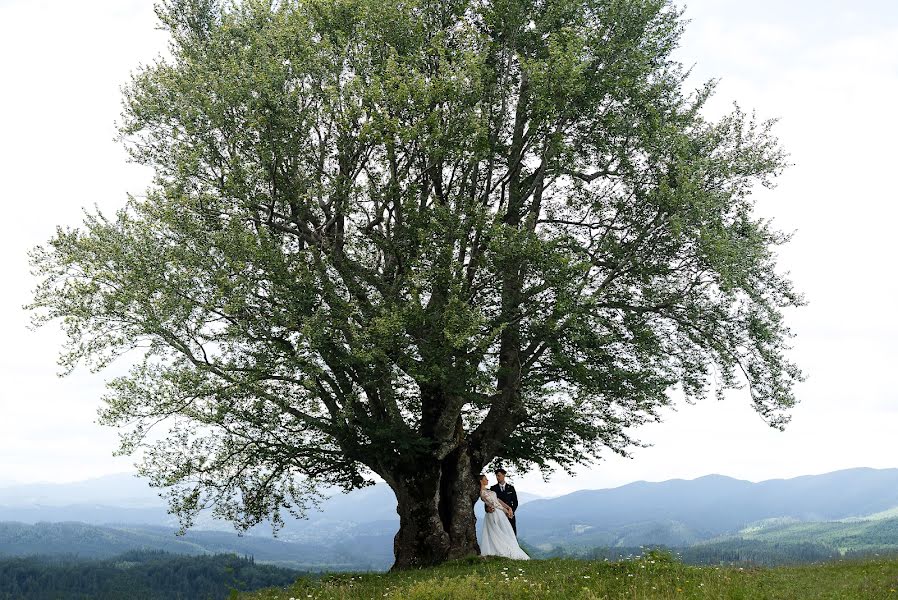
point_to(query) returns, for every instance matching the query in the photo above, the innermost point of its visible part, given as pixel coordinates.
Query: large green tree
(409, 238)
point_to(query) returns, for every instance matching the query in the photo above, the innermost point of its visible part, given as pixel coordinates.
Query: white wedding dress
(498, 536)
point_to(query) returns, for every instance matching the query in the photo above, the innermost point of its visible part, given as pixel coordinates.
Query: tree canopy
(387, 234)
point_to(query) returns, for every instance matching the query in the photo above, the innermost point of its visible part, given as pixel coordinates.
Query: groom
(505, 492)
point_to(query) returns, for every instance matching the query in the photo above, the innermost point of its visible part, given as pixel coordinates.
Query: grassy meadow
(653, 576)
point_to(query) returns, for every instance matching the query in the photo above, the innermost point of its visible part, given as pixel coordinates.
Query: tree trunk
(436, 512)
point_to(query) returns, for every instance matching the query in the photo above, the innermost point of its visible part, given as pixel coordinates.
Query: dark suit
(509, 497)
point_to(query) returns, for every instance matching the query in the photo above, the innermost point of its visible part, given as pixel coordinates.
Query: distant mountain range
(125, 499)
(86, 541)
(123, 490)
(681, 513)
(855, 508)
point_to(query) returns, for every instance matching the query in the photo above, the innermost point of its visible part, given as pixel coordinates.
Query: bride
(498, 537)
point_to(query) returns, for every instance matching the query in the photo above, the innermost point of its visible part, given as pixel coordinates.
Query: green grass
(655, 576)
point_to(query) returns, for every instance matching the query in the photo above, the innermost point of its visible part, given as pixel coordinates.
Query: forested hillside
(136, 576)
(103, 542)
(771, 522)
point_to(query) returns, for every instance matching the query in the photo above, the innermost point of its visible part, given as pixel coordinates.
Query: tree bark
(436, 511)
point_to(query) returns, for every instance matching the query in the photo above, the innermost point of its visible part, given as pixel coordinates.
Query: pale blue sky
(828, 70)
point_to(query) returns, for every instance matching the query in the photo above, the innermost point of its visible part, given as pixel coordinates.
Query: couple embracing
(499, 527)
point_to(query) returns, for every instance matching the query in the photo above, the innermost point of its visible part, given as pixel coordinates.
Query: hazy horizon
(829, 72)
(110, 476)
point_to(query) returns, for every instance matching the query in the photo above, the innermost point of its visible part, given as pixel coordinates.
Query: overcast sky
(827, 69)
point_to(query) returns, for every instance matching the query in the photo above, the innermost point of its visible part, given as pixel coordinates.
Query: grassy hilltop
(654, 576)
